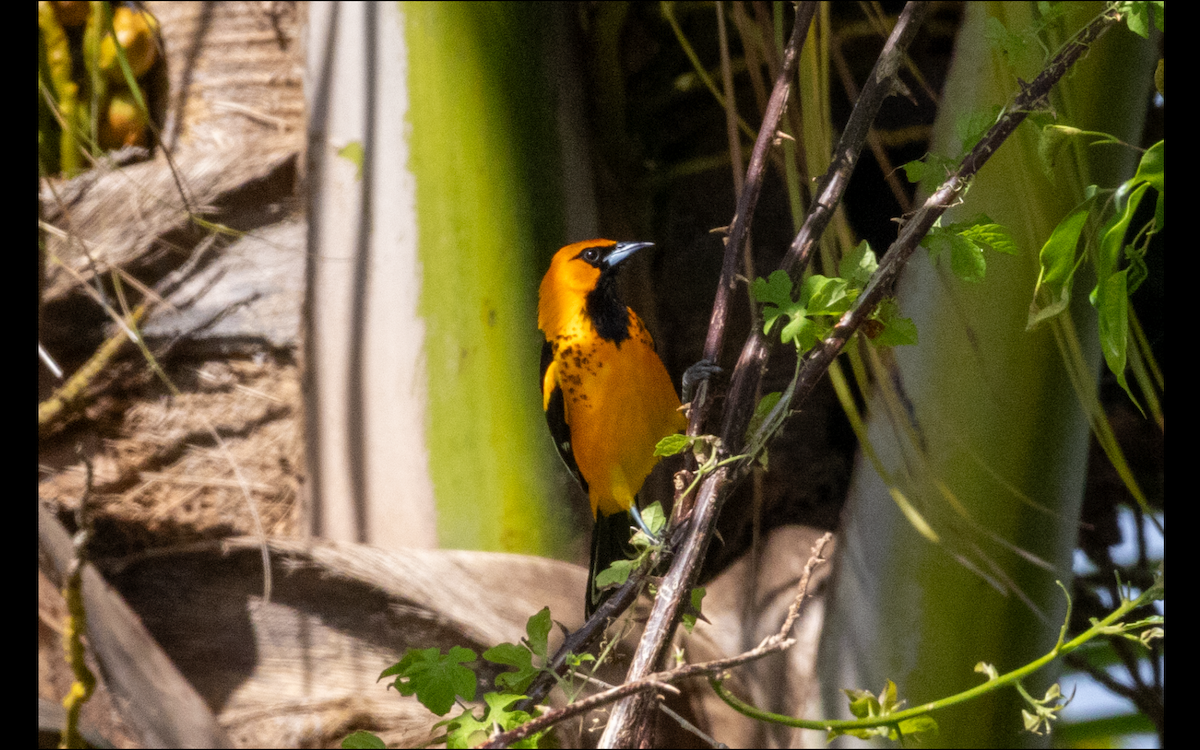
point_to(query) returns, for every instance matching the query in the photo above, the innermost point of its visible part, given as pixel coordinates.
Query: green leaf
(434, 678)
(672, 445)
(1111, 295)
(971, 126)
(511, 655)
(776, 295)
(858, 265)
(537, 630)
(965, 242)
(653, 517)
(966, 259)
(1151, 170)
(985, 232)
(765, 405)
(1052, 293)
(897, 331)
(863, 703)
(919, 725)
(692, 612)
(615, 574)
(362, 740)
(1140, 15)
(1051, 139)
(914, 171)
(776, 290)
(803, 331)
(467, 731)
(937, 241)
(1000, 38)
(823, 295)
(1113, 233)
(1113, 306)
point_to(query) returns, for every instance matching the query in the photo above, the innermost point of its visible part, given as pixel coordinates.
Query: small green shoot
(965, 243)
(822, 300)
(865, 705)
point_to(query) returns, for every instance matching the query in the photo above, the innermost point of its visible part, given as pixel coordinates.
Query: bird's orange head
(579, 273)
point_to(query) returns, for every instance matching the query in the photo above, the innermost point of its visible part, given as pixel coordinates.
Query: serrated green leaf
(435, 678)
(971, 126)
(966, 259)
(990, 234)
(823, 295)
(1138, 17)
(899, 332)
(1000, 38)
(615, 574)
(937, 242)
(776, 290)
(465, 730)
(858, 265)
(511, 655)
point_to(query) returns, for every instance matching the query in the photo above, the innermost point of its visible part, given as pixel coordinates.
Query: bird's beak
(623, 250)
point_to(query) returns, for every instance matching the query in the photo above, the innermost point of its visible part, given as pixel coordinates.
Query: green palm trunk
(986, 437)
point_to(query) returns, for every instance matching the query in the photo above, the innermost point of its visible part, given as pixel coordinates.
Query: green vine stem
(1110, 625)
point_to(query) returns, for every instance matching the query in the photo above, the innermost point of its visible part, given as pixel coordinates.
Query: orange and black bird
(607, 396)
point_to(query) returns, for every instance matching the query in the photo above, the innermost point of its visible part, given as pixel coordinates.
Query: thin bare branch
(665, 680)
(739, 228)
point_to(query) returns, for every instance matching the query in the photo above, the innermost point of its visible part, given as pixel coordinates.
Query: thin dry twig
(665, 680)
(739, 228)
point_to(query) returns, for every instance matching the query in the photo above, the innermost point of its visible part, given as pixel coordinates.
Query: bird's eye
(591, 255)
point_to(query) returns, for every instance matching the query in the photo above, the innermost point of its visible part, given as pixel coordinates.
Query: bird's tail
(610, 543)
